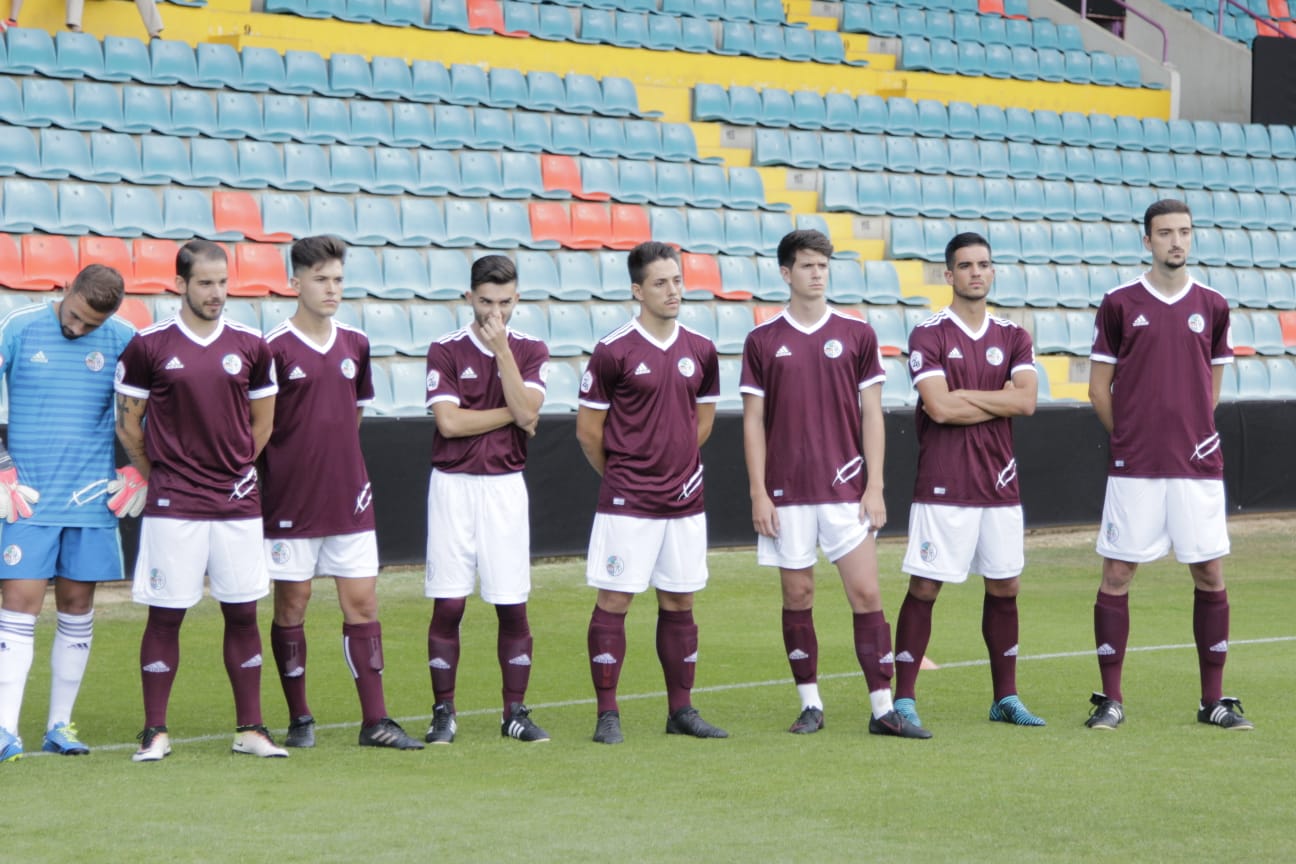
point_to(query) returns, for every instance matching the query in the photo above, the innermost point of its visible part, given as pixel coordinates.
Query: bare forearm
(1000, 403)
(754, 449)
(130, 432)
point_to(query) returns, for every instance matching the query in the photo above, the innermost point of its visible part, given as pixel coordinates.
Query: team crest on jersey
(94, 361)
(348, 368)
(280, 552)
(433, 379)
(587, 381)
(120, 374)
(12, 554)
(915, 360)
(1196, 323)
(927, 551)
(544, 372)
(832, 349)
(615, 566)
(686, 367)
(157, 580)
(232, 363)
(994, 356)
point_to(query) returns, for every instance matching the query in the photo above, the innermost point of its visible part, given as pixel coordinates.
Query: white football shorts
(836, 528)
(1144, 516)
(631, 553)
(478, 524)
(299, 559)
(175, 553)
(947, 542)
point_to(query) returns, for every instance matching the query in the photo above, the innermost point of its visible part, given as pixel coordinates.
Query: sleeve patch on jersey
(433, 379)
(587, 381)
(915, 360)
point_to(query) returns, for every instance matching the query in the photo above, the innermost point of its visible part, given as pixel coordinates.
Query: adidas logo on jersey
(158, 667)
(955, 354)
(296, 373)
(520, 660)
(904, 657)
(642, 369)
(783, 352)
(39, 357)
(467, 374)
(1106, 650)
(1220, 647)
(251, 663)
(174, 363)
(1140, 321)
(438, 663)
(605, 659)
(798, 654)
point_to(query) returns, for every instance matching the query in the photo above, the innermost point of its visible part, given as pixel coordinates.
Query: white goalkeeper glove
(128, 493)
(15, 498)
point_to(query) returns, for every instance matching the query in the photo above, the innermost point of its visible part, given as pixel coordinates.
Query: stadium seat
(48, 262)
(428, 322)
(570, 330)
(113, 252)
(450, 273)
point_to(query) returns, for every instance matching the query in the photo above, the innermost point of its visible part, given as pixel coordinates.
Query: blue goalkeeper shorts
(30, 551)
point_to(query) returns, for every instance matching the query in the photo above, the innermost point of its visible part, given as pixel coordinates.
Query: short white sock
(880, 700)
(17, 633)
(809, 694)
(68, 657)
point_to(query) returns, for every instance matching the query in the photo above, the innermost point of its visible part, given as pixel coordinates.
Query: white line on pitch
(719, 688)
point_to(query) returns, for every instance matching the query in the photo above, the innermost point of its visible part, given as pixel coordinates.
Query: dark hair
(101, 286)
(646, 253)
(192, 251)
(961, 241)
(309, 252)
(493, 270)
(794, 242)
(1161, 208)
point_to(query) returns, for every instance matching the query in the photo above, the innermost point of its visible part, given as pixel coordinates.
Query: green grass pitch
(1162, 788)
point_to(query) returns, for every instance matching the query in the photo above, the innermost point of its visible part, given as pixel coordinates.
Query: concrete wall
(1100, 39)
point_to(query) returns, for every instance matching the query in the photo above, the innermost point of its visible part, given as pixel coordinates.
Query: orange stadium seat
(10, 262)
(549, 221)
(489, 15)
(239, 211)
(235, 285)
(1288, 322)
(630, 226)
(591, 225)
(49, 261)
(111, 252)
(765, 313)
(261, 271)
(136, 312)
(562, 172)
(154, 265)
(702, 273)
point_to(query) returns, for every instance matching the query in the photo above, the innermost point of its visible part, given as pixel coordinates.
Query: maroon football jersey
(970, 466)
(651, 391)
(313, 477)
(810, 379)
(1163, 406)
(462, 371)
(198, 424)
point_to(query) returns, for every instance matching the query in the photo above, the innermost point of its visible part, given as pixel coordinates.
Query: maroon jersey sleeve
(871, 370)
(442, 377)
(1107, 330)
(533, 362)
(134, 376)
(709, 380)
(926, 354)
(752, 378)
(1221, 333)
(364, 373)
(599, 381)
(1023, 352)
(262, 381)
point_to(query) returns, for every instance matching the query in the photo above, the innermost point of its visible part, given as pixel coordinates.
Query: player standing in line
(206, 386)
(485, 386)
(321, 523)
(974, 372)
(1160, 347)
(812, 368)
(647, 404)
(58, 359)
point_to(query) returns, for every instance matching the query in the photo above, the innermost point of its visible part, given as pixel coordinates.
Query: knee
(798, 590)
(926, 590)
(1208, 575)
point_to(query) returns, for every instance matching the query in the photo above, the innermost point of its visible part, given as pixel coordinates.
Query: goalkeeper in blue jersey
(60, 493)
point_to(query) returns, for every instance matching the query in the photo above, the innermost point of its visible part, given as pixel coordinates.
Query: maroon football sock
(913, 632)
(1211, 630)
(362, 647)
(607, 646)
(243, 660)
(999, 629)
(873, 649)
(1111, 636)
(677, 646)
(513, 647)
(443, 645)
(159, 659)
(802, 645)
(289, 647)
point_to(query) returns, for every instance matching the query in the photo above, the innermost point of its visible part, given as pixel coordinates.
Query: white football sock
(17, 633)
(68, 658)
(880, 700)
(809, 694)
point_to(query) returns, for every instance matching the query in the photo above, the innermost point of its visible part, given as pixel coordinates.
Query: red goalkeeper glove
(15, 498)
(128, 493)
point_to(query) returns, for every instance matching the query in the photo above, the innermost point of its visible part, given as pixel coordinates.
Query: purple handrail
(1219, 19)
(1165, 37)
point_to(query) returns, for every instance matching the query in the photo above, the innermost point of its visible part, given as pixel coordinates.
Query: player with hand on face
(814, 440)
(321, 522)
(974, 372)
(55, 478)
(647, 404)
(206, 387)
(485, 386)
(1160, 347)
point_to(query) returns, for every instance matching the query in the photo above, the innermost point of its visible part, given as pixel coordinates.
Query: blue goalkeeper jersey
(61, 415)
